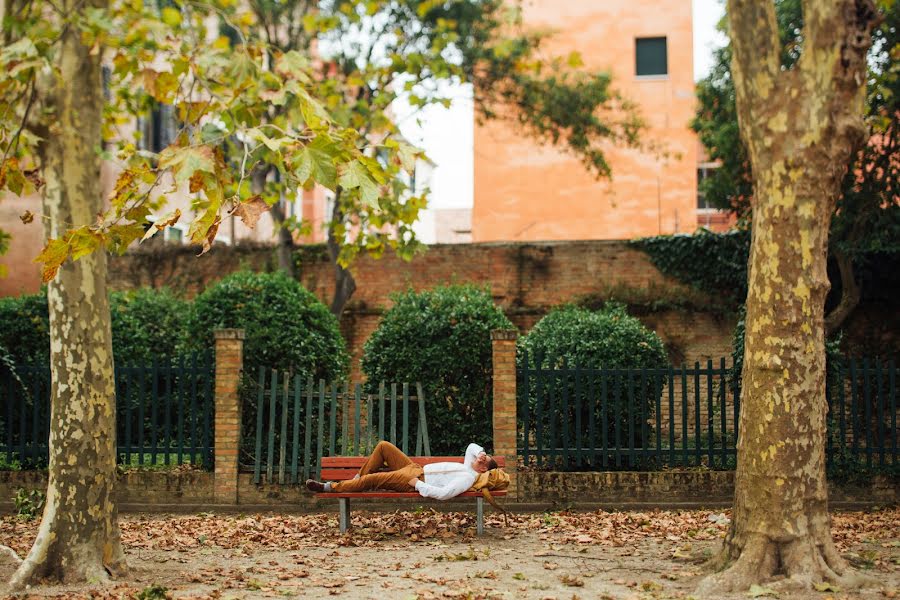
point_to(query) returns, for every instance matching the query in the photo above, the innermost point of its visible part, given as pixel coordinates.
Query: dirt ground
(425, 554)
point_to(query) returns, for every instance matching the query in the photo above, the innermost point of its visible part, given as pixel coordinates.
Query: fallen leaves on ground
(294, 532)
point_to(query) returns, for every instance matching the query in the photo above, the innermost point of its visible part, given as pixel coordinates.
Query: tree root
(802, 562)
(13, 556)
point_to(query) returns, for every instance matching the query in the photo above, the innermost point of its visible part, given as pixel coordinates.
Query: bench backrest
(340, 468)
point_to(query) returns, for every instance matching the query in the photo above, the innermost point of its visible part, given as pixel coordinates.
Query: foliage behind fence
(164, 413)
(581, 418)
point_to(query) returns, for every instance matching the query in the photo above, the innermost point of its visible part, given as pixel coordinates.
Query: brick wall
(526, 280)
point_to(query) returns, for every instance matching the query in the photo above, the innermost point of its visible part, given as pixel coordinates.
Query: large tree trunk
(285, 244)
(800, 127)
(78, 539)
(285, 248)
(344, 283)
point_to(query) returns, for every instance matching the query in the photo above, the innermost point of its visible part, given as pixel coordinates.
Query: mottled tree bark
(800, 126)
(79, 538)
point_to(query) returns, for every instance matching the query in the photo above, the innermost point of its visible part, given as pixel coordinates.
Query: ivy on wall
(714, 263)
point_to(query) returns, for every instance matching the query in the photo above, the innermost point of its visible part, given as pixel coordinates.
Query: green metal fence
(164, 413)
(575, 417)
(295, 423)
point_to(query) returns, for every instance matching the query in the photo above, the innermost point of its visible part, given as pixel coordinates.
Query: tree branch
(755, 63)
(839, 27)
(850, 294)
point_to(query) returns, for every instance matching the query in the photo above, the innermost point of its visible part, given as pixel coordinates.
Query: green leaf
(293, 64)
(23, 48)
(316, 161)
(357, 175)
(52, 256)
(83, 241)
(826, 587)
(273, 144)
(187, 160)
(171, 16)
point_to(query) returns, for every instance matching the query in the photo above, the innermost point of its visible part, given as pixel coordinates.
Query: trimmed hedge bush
(147, 324)
(286, 326)
(25, 329)
(441, 337)
(610, 339)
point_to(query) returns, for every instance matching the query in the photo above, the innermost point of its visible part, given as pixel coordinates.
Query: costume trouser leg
(402, 469)
(385, 454)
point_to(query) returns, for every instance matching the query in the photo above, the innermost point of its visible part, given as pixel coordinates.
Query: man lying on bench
(441, 481)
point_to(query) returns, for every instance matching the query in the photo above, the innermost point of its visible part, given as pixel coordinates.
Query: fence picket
(270, 441)
(604, 421)
(710, 417)
(194, 420)
(524, 391)
(332, 429)
(282, 441)
(381, 411)
(394, 413)
(564, 418)
(724, 410)
(617, 421)
(592, 425)
(320, 438)
(406, 418)
(295, 436)
(357, 400)
(867, 403)
(893, 398)
(539, 412)
(180, 406)
(307, 430)
(167, 400)
(642, 457)
(882, 434)
(671, 388)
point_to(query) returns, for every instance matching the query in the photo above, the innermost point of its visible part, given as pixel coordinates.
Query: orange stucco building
(524, 191)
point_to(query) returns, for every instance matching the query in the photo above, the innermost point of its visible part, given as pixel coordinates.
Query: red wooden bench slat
(339, 468)
(399, 494)
(357, 461)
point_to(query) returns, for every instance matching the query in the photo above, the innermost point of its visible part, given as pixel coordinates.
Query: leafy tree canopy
(298, 90)
(867, 218)
(219, 86)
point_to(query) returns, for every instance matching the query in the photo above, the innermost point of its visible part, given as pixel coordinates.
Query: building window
(704, 171)
(652, 56)
(158, 128)
(174, 235)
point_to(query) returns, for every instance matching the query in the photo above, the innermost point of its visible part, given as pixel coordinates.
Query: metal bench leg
(480, 515)
(344, 517)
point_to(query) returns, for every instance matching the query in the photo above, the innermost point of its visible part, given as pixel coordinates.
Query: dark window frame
(650, 63)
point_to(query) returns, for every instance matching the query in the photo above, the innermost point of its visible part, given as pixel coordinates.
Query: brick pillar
(503, 343)
(229, 363)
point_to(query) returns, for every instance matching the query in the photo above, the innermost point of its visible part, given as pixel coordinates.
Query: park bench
(341, 468)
